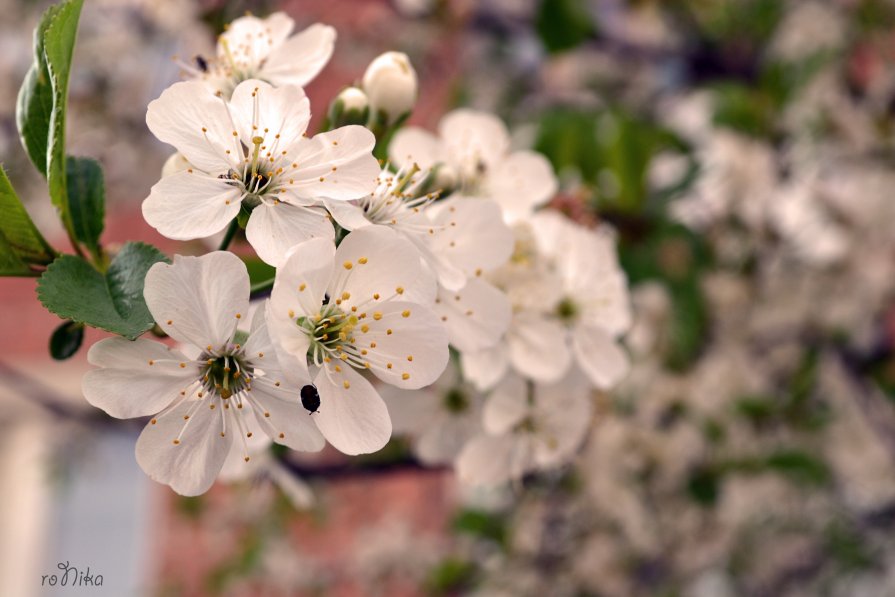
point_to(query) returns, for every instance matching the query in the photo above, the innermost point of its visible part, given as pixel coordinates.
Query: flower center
(330, 333)
(455, 401)
(397, 199)
(227, 374)
(566, 310)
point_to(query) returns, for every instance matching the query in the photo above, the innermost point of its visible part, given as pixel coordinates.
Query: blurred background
(742, 150)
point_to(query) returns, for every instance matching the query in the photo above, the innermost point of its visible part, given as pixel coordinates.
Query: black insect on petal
(310, 399)
(202, 64)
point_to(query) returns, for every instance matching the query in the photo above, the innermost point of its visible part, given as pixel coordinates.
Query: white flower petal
(137, 378)
(354, 419)
(274, 228)
(376, 260)
(300, 58)
(280, 413)
(490, 460)
(507, 406)
(293, 487)
(199, 300)
(236, 467)
(191, 465)
(118, 353)
(405, 344)
(563, 414)
(346, 214)
(188, 116)
(188, 205)
(538, 347)
(248, 40)
(520, 182)
(484, 368)
(410, 410)
(338, 164)
(599, 356)
(302, 280)
(476, 316)
(472, 137)
(415, 146)
(471, 234)
(443, 441)
(259, 344)
(279, 115)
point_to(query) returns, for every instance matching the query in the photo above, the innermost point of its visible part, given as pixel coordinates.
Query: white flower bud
(391, 85)
(349, 107)
(352, 99)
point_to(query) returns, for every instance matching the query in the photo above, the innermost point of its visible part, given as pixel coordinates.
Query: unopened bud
(391, 86)
(350, 107)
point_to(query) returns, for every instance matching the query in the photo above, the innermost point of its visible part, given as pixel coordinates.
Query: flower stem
(228, 236)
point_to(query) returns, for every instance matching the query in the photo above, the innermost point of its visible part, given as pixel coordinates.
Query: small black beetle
(202, 64)
(310, 399)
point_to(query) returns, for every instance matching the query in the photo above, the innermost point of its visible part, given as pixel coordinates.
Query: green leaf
(563, 24)
(43, 97)
(66, 340)
(18, 231)
(71, 288)
(86, 200)
(34, 106)
(10, 263)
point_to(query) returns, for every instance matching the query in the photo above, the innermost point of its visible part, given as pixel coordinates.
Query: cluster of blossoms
(379, 269)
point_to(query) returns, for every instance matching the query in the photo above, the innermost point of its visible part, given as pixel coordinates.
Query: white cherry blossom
(460, 239)
(363, 306)
(250, 153)
(473, 148)
(440, 418)
(594, 301)
(527, 428)
(228, 393)
(570, 303)
(255, 48)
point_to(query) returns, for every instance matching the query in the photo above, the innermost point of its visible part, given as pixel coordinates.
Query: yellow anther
(405, 313)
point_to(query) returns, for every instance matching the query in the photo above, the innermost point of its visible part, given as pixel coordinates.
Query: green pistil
(227, 375)
(455, 401)
(330, 328)
(527, 425)
(566, 310)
